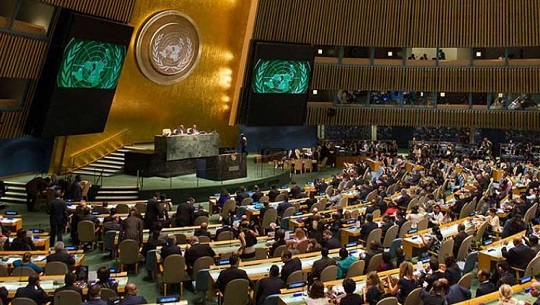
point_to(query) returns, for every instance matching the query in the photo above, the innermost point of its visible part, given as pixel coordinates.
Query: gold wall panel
(352, 116)
(20, 56)
(119, 10)
(204, 98)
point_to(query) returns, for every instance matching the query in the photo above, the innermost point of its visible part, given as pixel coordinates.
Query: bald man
(131, 296)
(535, 292)
(519, 256)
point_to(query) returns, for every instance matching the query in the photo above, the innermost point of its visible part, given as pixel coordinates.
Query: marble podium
(222, 167)
(179, 147)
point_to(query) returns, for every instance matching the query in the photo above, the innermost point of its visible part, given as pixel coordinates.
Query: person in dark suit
(152, 210)
(69, 281)
(367, 227)
(403, 200)
(200, 212)
(104, 279)
(226, 227)
(436, 273)
(459, 238)
(58, 217)
(506, 276)
(194, 250)
(32, 291)
(170, 248)
(269, 285)
(202, 230)
(257, 194)
(94, 296)
(61, 255)
(296, 191)
(485, 285)
(273, 193)
(184, 213)
(231, 273)
(519, 256)
(131, 297)
(320, 264)
(22, 242)
(132, 227)
(290, 265)
(241, 194)
(33, 188)
(284, 205)
(330, 241)
(279, 241)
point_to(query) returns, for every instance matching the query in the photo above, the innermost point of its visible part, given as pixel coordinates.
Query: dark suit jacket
(201, 232)
(152, 210)
(132, 228)
(96, 301)
(458, 240)
(272, 194)
(256, 196)
(169, 250)
(58, 212)
(276, 244)
(485, 288)
(134, 300)
(519, 256)
(268, 286)
(184, 215)
(290, 267)
(332, 243)
(282, 207)
(62, 256)
(318, 267)
(366, 229)
(241, 196)
(198, 250)
(508, 278)
(32, 292)
(230, 274)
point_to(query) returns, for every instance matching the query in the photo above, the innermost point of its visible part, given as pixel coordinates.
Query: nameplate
(234, 168)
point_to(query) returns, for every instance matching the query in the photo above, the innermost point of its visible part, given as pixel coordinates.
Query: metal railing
(100, 150)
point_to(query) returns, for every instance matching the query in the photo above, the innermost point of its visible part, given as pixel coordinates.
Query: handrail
(100, 149)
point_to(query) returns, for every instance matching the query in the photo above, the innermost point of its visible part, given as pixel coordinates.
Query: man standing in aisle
(58, 217)
(243, 143)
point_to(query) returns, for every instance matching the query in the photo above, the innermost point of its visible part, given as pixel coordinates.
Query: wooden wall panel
(317, 115)
(119, 10)
(397, 23)
(20, 56)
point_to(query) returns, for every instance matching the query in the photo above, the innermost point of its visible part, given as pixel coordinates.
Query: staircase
(117, 193)
(15, 193)
(109, 165)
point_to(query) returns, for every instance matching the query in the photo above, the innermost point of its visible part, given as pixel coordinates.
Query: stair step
(126, 192)
(15, 188)
(128, 148)
(112, 187)
(112, 198)
(113, 158)
(16, 194)
(111, 162)
(91, 173)
(13, 183)
(122, 150)
(12, 199)
(105, 165)
(99, 169)
(117, 154)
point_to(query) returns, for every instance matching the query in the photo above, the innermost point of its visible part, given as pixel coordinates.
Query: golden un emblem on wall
(168, 47)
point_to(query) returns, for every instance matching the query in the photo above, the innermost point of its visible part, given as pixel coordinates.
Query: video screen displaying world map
(91, 64)
(281, 76)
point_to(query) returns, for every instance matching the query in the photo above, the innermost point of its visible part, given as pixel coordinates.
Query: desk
(50, 282)
(12, 224)
(41, 242)
(493, 253)
(40, 260)
(258, 269)
(178, 147)
(493, 298)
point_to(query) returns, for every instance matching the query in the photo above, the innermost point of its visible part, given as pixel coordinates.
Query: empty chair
(464, 248)
(236, 292)
(264, 199)
(372, 195)
(246, 201)
(296, 276)
(388, 301)
(374, 262)
(228, 206)
(329, 273)
(446, 249)
(288, 212)
(479, 234)
(151, 263)
(108, 242)
(67, 297)
(3, 270)
(279, 197)
(226, 235)
(203, 282)
(466, 280)
(390, 235)
(56, 268)
(23, 271)
(261, 253)
(23, 301)
(279, 250)
(129, 254)
(122, 208)
(108, 293)
(297, 166)
(302, 246)
(174, 272)
(203, 262)
(423, 224)
(533, 268)
(204, 239)
(87, 232)
(374, 235)
(181, 238)
(376, 214)
(201, 219)
(270, 216)
(470, 262)
(272, 299)
(404, 229)
(356, 269)
(414, 297)
(140, 207)
(396, 243)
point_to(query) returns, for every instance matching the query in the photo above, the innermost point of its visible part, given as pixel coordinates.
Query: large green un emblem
(281, 76)
(91, 64)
